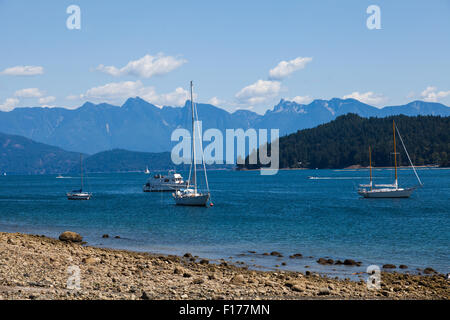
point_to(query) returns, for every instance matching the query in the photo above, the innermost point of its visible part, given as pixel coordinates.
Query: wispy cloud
(302, 99)
(46, 100)
(215, 101)
(432, 94)
(259, 92)
(117, 92)
(367, 97)
(285, 68)
(9, 104)
(23, 71)
(145, 67)
(29, 93)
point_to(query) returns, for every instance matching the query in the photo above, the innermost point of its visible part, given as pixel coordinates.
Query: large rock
(429, 270)
(276, 254)
(238, 279)
(91, 260)
(324, 261)
(70, 236)
(323, 292)
(350, 262)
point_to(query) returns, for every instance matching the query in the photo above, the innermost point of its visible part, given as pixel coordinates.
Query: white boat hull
(195, 201)
(78, 196)
(386, 193)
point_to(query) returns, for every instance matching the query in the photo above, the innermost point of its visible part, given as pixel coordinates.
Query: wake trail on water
(336, 178)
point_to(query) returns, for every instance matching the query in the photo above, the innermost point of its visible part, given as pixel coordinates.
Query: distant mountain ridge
(20, 155)
(141, 126)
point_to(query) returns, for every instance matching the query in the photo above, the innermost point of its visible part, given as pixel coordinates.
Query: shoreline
(355, 167)
(36, 267)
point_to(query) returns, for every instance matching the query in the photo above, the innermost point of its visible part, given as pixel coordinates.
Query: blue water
(286, 212)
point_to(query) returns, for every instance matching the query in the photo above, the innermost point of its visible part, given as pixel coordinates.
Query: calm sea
(287, 212)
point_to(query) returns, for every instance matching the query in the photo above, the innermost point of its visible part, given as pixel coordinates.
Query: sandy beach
(37, 267)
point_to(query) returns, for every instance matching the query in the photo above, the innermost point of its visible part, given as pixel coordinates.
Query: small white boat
(79, 194)
(388, 190)
(192, 196)
(159, 183)
(146, 170)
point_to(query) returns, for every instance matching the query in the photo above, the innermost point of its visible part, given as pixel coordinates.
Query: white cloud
(117, 92)
(177, 97)
(9, 104)
(145, 67)
(113, 91)
(432, 95)
(285, 68)
(23, 71)
(215, 101)
(28, 93)
(259, 92)
(302, 99)
(367, 97)
(46, 100)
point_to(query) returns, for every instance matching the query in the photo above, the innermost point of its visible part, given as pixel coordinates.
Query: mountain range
(141, 126)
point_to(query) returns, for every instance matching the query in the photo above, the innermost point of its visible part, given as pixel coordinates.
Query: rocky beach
(38, 267)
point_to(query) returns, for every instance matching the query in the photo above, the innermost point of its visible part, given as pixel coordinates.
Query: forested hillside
(346, 140)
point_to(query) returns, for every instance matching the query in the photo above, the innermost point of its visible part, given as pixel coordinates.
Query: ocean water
(287, 212)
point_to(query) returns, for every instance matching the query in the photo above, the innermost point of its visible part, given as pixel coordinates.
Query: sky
(240, 54)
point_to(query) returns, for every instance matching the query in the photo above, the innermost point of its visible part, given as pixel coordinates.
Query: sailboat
(146, 170)
(191, 196)
(388, 190)
(79, 194)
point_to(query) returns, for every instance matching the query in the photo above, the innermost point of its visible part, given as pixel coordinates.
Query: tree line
(346, 140)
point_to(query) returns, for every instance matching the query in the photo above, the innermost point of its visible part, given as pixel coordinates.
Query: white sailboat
(191, 196)
(79, 194)
(146, 170)
(388, 190)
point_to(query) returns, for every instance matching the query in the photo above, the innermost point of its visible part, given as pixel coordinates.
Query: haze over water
(287, 212)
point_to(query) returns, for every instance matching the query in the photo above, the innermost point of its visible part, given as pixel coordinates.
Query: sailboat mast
(81, 170)
(193, 139)
(370, 166)
(395, 153)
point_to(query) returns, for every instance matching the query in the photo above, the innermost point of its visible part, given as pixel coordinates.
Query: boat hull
(394, 193)
(163, 188)
(193, 201)
(78, 196)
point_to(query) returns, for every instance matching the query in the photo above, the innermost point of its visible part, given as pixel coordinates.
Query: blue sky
(231, 49)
